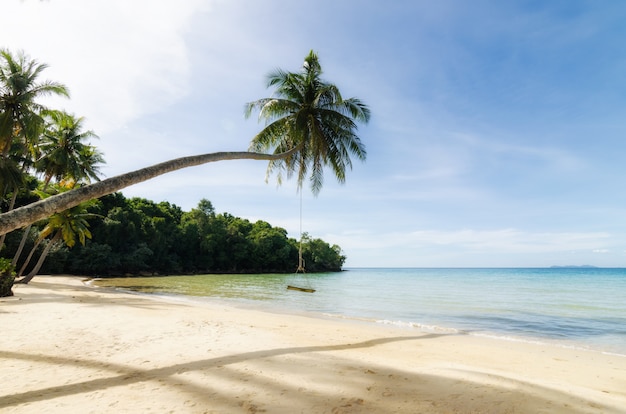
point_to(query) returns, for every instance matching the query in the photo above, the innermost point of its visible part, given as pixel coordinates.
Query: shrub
(7, 277)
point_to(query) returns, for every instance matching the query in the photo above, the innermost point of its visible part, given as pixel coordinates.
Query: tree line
(136, 236)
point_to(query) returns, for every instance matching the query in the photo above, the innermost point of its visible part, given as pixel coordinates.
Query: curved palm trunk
(42, 209)
(29, 257)
(18, 253)
(42, 259)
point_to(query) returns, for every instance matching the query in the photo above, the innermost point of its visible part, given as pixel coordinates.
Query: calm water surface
(583, 307)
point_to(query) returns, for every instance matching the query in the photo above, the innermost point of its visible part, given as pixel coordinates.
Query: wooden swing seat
(301, 289)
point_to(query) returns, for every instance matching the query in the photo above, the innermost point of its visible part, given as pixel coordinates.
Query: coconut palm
(328, 139)
(20, 113)
(70, 225)
(89, 165)
(309, 115)
(64, 154)
(21, 120)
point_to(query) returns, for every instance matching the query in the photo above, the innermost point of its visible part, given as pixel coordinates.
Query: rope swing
(300, 258)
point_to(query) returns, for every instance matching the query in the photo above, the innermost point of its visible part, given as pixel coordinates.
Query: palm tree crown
(20, 114)
(64, 152)
(308, 119)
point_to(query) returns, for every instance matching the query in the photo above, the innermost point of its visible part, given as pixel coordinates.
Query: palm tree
(64, 154)
(21, 122)
(309, 115)
(298, 149)
(70, 225)
(89, 165)
(20, 113)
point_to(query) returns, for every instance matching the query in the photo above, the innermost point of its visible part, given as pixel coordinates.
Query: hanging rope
(300, 258)
(300, 268)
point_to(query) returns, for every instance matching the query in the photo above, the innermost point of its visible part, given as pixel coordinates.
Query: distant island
(574, 267)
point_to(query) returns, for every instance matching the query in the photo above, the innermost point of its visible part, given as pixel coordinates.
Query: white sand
(69, 348)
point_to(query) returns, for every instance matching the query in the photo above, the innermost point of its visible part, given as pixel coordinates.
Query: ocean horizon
(570, 306)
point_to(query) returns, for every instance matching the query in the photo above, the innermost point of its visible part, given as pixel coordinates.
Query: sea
(568, 307)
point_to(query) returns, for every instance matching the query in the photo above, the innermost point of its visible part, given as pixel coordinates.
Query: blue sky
(497, 136)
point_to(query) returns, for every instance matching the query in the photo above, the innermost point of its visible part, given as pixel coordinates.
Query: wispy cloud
(495, 135)
(488, 241)
(120, 59)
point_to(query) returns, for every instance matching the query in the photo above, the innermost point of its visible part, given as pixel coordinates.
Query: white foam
(420, 326)
(540, 342)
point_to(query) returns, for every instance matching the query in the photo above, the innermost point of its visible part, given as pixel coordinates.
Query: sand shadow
(431, 392)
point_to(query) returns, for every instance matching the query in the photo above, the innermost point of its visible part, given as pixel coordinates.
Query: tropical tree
(64, 155)
(20, 113)
(64, 152)
(320, 131)
(21, 120)
(309, 115)
(320, 256)
(70, 225)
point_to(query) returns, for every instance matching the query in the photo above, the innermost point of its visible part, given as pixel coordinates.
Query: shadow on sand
(432, 393)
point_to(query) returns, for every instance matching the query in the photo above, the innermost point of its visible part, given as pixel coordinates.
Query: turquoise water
(581, 307)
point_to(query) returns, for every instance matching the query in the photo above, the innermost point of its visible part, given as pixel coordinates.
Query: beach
(68, 347)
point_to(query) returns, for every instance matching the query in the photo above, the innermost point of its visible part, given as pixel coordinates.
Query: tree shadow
(361, 389)
(142, 375)
(52, 292)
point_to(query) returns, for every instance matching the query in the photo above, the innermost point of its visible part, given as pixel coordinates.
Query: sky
(497, 136)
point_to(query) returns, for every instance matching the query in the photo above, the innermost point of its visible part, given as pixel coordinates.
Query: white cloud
(159, 79)
(502, 149)
(120, 59)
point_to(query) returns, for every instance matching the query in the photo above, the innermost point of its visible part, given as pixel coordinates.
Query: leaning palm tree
(328, 140)
(70, 226)
(308, 115)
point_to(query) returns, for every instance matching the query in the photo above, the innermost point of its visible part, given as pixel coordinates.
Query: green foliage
(138, 236)
(93, 259)
(65, 155)
(7, 277)
(308, 118)
(20, 113)
(115, 235)
(319, 256)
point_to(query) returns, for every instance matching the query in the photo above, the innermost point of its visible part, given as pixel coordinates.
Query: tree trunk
(42, 258)
(42, 209)
(18, 253)
(30, 256)
(11, 205)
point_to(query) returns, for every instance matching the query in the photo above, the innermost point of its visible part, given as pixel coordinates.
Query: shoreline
(244, 303)
(69, 345)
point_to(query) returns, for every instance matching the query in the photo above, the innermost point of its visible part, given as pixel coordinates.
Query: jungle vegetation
(136, 236)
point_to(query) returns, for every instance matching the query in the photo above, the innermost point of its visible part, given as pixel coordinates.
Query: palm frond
(309, 117)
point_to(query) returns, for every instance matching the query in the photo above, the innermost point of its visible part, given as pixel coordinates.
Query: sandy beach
(67, 347)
